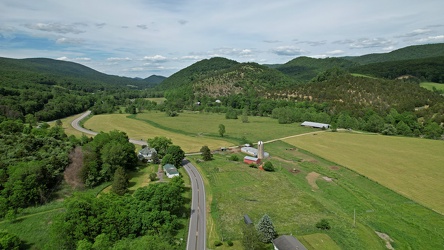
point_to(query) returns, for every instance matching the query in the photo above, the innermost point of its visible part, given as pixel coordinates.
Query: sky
(139, 38)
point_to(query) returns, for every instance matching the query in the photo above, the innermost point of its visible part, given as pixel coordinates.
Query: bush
(217, 243)
(230, 243)
(323, 224)
(252, 165)
(234, 158)
(268, 166)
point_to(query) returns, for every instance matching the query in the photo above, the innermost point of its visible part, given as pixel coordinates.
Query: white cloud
(155, 59)
(287, 51)
(336, 52)
(431, 39)
(118, 59)
(56, 27)
(66, 40)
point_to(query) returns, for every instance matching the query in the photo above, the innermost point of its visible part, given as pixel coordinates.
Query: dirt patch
(311, 178)
(387, 239)
(72, 172)
(334, 167)
(327, 179)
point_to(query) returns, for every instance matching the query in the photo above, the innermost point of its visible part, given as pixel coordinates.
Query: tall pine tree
(120, 182)
(265, 229)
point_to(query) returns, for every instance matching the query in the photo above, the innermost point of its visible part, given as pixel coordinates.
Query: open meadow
(431, 85)
(136, 129)
(207, 124)
(410, 166)
(305, 189)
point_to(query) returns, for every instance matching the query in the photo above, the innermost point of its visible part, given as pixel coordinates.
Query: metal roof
(315, 124)
(288, 242)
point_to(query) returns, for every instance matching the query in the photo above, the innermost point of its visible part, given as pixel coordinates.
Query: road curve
(75, 124)
(197, 232)
(197, 228)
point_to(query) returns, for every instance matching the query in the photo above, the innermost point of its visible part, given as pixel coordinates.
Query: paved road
(75, 124)
(197, 228)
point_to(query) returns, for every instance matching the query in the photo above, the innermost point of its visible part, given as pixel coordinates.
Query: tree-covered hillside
(303, 69)
(196, 72)
(50, 71)
(407, 53)
(427, 69)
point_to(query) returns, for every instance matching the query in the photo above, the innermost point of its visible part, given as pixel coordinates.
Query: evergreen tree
(221, 130)
(206, 153)
(120, 182)
(266, 229)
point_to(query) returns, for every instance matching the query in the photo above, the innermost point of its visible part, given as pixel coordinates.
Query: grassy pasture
(430, 85)
(138, 129)
(319, 241)
(234, 189)
(207, 124)
(409, 166)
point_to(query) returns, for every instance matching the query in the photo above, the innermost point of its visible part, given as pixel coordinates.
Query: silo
(260, 150)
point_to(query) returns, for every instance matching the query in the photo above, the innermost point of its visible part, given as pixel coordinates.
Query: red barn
(249, 160)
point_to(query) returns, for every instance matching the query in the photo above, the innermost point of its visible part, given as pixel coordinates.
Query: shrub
(217, 243)
(234, 158)
(268, 166)
(230, 243)
(323, 224)
(252, 165)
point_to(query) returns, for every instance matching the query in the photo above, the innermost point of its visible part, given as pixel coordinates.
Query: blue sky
(138, 38)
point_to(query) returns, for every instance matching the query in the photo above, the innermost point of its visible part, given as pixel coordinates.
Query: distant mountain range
(55, 70)
(221, 76)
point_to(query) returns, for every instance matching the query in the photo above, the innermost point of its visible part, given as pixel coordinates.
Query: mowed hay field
(191, 123)
(141, 130)
(410, 166)
(430, 85)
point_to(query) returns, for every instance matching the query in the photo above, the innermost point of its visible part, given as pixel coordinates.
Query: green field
(431, 85)
(141, 130)
(207, 124)
(410, 166)
(295, 206)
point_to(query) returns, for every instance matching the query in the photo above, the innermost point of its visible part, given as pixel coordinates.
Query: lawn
(207, 124)
(234, 189)
(136, 129)
(430, 85)
(409, 166)
(66, 124)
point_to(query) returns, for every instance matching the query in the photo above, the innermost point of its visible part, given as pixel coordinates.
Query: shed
(170, 170)
(247, 220)
(249, 160)
(287, 242)
(315, 125)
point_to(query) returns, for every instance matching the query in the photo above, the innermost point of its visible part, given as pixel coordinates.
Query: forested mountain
(196, 71)
(427, 69)
(407, 53)
(155, 79)
(62, 72)
(303, 68)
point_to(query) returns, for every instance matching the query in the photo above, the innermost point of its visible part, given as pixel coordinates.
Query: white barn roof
(315, 124)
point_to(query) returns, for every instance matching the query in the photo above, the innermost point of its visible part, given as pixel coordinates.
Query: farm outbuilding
(287, 242)
(253, 152)
(170, 170)
(250, 160)
(315, 125)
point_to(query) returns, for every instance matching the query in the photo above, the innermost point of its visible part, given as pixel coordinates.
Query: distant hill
(155, 79)
(50, 70)
(196, 71)
(221, 77)
(305, 68)
(407, 53)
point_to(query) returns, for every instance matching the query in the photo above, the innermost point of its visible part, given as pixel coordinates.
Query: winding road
(197, 235)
